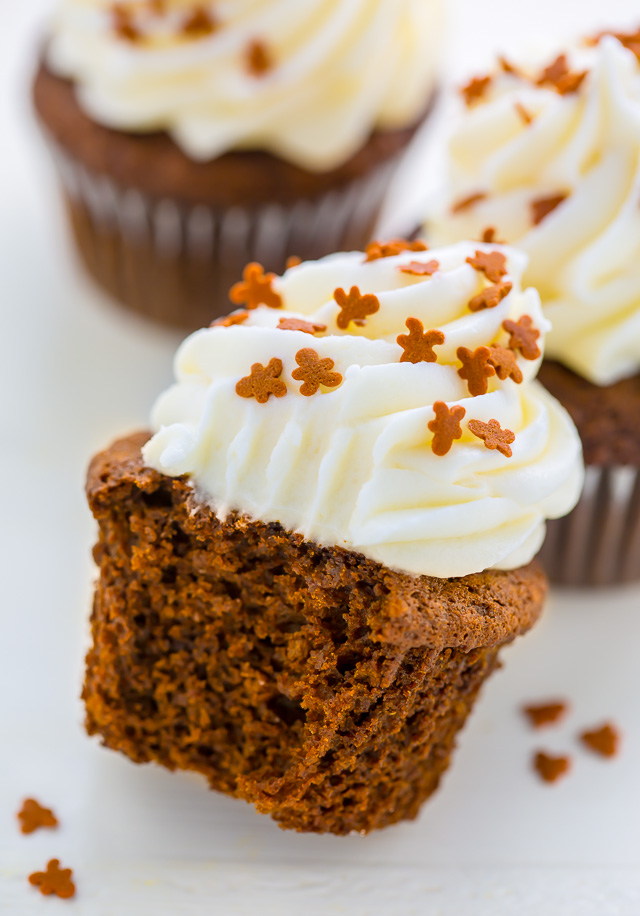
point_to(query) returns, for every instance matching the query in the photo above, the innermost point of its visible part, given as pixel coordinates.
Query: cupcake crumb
(604, 740)
(541, 714)
(549, 768)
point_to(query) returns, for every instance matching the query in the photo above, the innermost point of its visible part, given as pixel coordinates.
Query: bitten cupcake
(547, 157)
(308, 569)
(194, 137)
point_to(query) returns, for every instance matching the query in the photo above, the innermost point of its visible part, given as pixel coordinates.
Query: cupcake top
(548, 157)
(384, 402)
(308, 81)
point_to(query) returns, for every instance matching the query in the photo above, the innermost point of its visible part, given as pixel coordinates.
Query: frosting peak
(371, 406)
(549, 157)
(308, 81)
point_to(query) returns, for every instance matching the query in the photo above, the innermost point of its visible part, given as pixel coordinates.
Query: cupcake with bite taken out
(193, 137)
(547, 157)
(310, 564)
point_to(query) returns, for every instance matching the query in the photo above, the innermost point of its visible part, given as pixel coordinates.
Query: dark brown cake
(322, 687)
(174, 248)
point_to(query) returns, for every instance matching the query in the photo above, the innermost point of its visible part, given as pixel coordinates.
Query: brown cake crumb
(262, 382)
(493, 264)
(32, 816)
(376, 250)
(255, 288)
(604, 740)
(259, 59)
(418, 344)
(420, 268)
(297, 324)
(476, 368)
(354, 307)
(541, 714)
(543, 206)
(314, 372)
(551, 768)
(490, 297)
(475, 89)
(446, 427)
(493, 436)
(465, 203)
(54, 880)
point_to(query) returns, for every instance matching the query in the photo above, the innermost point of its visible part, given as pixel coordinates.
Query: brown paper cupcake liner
(599, 542)
(176, 263)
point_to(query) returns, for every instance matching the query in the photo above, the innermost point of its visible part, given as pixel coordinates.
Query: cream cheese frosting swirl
(338, 70)
(557, 173)
(347, 456)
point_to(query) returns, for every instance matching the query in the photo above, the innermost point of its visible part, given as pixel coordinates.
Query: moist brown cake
(173, 250)
(607, 416)
(322, 687)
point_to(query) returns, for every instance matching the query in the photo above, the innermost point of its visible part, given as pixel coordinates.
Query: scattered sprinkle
(296, 324)
(493, 436)
(541, 714)
(54, 880)
(376, 250)
(524, 114)
(314, 372)
(550, 768)
(446, 427)
(255, 288)
(523, 336)
(475, 89)
(420, 269)
(262, 382)
(465, 203)
(559, 76)
(604, 740)
(476, 368)
(354, 307)
(292, 261)
(492, 264)
(123, 24)
(259, 59)
(508, 67)
(543, 206)
(229, 320)
(32, 816)
(418, 344)
(199, 23)
(489, 236)
(505, 363)
(490, 297)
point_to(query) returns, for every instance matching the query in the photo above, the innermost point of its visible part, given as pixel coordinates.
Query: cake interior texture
(316, 684)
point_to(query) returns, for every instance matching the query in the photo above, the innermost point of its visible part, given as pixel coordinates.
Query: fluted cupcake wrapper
(599, 542)
(176, 263)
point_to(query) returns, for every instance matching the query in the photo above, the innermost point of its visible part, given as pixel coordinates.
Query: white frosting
(341, 69)
(585, 255)
(353, 465)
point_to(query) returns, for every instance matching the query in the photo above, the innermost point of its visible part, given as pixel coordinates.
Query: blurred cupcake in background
(194, 137)
(547, 157)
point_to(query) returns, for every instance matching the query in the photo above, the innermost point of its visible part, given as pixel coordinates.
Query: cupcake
(308, 568)
(546, 157)
(194, 137)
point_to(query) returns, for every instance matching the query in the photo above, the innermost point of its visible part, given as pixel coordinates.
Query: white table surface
(75, 372)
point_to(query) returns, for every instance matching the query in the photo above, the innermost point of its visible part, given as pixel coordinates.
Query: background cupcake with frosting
(546, 156)
(194, 137)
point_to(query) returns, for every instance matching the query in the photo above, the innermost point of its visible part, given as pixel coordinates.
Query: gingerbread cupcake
(545, 157)
(309, 567)
(194, 137)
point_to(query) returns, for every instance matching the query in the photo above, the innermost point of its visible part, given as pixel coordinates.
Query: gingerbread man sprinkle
(418, 344)
(490, 297)
(523, 336)
(543, 206)
(476, 368)
(475, 89)
(550, 768)
(505, 363)
(354, 307)
(32, 816)
(493, 264)
(493, 436)
(199, 23)
(465, 203)
(262, 382)
(604, 740)
(255, 288)
(297, 324)
(54, 880)
(445, 427)
(259, 59)
(541, 714)
(420, 269)
(314, 372)
(376, 250)
(230, 320)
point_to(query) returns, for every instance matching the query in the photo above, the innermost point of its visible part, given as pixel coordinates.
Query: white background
(74, 373)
